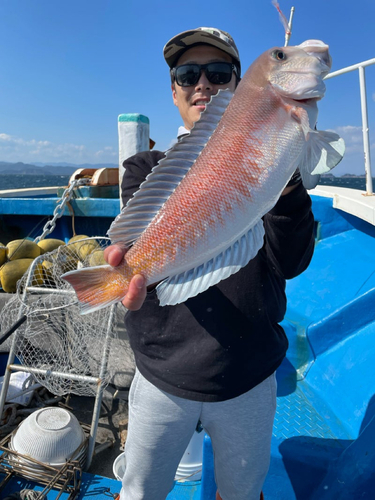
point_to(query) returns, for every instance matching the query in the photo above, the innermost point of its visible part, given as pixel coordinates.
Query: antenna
(288, 32)
(287, 25)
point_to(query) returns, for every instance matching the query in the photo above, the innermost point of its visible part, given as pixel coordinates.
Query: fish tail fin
(323, 152)
(97, 287)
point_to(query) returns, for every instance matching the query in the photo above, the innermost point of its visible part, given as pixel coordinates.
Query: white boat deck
(352, 201)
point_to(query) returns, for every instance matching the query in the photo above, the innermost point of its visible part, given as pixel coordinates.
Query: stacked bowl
(49, 435)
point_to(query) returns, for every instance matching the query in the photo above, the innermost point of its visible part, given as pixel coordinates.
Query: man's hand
(136, 295)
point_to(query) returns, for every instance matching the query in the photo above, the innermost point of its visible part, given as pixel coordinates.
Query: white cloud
(14, 149)
(5, 137)
(106, 152)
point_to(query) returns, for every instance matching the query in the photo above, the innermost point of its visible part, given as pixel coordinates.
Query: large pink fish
(197, 218)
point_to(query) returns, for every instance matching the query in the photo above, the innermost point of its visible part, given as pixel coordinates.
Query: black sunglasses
(218, 73)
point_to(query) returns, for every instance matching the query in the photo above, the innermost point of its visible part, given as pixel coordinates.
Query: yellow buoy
(96, 258)
(50, 244)
(83, 248)
(22, 249)
(13, 271)
(3, 254)
(47, 266)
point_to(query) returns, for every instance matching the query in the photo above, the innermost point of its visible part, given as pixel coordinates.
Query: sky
(69, 68)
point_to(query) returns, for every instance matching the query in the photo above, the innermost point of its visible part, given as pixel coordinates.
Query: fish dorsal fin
(167, 174)
(181, 287)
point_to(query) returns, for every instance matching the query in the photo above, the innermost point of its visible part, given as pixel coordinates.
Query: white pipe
(350, 68)
(288, 33)
(365, 130)
(134, 137)
(25, 391)
(47, 372)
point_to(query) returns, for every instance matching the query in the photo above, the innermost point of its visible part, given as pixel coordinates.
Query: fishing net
(55, 337)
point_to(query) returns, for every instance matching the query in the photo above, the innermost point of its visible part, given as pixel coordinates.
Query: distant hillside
(331, 176)
(20, 168)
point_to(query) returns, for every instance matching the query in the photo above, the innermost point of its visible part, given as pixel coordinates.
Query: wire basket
(56, 339)
(64, 479)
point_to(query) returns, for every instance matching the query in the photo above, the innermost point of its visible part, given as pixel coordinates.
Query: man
(213, 358)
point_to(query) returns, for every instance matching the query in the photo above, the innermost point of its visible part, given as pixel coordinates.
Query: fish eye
(279, 55)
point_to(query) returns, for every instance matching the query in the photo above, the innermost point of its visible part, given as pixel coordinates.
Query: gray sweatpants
(160, 428)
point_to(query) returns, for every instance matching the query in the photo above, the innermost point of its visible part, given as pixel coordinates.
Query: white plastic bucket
(190, 466)
(119, 467)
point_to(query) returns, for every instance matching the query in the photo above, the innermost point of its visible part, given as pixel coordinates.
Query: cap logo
(214, 32)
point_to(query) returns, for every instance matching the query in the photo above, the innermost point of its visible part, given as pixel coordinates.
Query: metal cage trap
(64, 351)
(66, 479)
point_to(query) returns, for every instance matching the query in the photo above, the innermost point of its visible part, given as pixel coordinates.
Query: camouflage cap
(208, 36)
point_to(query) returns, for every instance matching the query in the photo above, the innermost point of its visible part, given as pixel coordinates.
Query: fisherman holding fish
(215, 230)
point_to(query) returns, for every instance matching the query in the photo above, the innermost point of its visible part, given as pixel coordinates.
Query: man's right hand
(136, 295)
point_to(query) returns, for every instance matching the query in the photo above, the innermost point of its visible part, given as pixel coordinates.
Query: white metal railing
(365, 128)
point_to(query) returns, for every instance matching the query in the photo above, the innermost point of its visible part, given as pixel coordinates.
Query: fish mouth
(319, 50)
(307, 102)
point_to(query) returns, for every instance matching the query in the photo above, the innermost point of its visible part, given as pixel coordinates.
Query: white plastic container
(119, 467)
(189, 469)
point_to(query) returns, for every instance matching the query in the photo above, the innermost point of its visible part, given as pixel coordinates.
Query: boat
(323, 445)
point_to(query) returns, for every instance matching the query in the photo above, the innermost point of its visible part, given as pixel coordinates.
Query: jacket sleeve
(289, 228)
(137, 168)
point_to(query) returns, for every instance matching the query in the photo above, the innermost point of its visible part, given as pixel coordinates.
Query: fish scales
(220, 181)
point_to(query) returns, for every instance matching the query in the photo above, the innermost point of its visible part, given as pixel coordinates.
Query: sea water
(19, 181)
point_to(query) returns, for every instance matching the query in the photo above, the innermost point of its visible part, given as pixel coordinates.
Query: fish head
(297, 72)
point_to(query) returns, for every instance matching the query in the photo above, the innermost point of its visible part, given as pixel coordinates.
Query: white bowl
(119, 466)
(50, 435)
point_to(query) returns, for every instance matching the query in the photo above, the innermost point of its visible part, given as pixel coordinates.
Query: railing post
(365, 130)
(134, 137)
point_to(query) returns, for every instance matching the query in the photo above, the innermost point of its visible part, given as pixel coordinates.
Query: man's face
(191, 101)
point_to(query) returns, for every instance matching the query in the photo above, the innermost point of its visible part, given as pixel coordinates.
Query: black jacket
(226, 340)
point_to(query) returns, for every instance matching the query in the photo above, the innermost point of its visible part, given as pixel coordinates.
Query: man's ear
(174, 96)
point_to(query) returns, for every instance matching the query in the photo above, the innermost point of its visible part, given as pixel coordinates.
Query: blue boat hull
(26, 217)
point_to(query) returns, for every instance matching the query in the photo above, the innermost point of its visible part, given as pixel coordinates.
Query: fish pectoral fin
(324, 150)
(181, 287)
